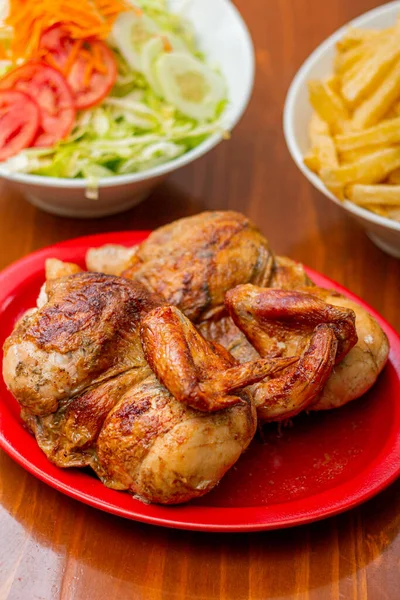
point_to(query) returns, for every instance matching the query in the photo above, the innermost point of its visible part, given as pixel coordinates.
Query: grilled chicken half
(195, 262)
(110, 376)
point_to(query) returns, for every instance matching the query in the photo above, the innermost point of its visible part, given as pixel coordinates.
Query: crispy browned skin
(184, 262)
(359, 369)
(204, 379)
(273, 319)
(69, 436)
(357, 365)
(165, 451)
(288, 275)
(166, 428)
(87, 332)
(193, 261)
(286, 322)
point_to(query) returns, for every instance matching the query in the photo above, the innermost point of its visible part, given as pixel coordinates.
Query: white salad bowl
(224, 38)
(385, 233)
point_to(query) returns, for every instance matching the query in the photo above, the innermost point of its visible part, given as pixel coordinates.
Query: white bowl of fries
(342, 122)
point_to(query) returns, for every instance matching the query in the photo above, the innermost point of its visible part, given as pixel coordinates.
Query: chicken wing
(359, 369)
(193, 371)
(283, 322)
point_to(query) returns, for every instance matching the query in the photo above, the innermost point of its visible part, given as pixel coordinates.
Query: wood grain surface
(53, 547)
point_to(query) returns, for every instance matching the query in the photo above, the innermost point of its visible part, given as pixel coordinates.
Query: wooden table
(54, 547)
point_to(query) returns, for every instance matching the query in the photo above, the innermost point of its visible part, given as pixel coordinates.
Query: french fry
(394, 177)
(389, 212)
(346, 60)
(323, 147)
(311, 161)
(387, 132)
(391, 114)
(334, 82)
(366, 195)
(352, 156)
(347, 63)
(392, 213)
(317, 126)
(377, 105)
(353, 37)
(372, 70)
(396, 108)
(371, 169)
(328, 105)
(352, 72)
(355, 129)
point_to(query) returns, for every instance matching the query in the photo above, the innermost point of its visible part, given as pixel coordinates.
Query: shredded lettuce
(132, 130)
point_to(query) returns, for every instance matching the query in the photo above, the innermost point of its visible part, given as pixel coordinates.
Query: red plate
(324, 464)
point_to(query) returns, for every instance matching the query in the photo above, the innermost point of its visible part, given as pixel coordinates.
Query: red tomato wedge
(19, 122)
(88, 65)
(49, 89)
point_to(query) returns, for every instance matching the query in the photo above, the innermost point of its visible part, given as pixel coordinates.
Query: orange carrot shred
(3, 53)
(50, 60)
(98, 60)
(87, 74)
(80, 18)
(72, 56)
(166, 43)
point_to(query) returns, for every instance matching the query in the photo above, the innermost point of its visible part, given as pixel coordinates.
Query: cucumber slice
(189, 85)
(130, 33)
(152, 50)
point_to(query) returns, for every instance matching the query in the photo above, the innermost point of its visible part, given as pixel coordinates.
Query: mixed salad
(95, 88)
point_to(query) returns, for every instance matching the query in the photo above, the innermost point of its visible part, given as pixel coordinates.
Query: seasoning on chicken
(194, 262)
(284, 323)
(109, 376)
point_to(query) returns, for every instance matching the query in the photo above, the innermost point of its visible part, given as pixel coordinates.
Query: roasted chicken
(195, 262)
(110, 376)
(359, 369)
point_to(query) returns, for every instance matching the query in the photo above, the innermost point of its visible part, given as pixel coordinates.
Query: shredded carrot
(110, 7)
(81, 19)
(95, 32)
(4, 55)
(34, 40)
(86, 55)
(166, 43)
(97, 59)
(72, 56)
(51, 61)
(87, 75)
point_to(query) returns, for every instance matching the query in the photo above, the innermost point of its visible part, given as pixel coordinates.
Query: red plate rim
(377, 476)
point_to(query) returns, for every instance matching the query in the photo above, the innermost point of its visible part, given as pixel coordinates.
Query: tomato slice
(90, 91)
(49, 89)
(88, 65)
(57, 42)
(19, 122)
